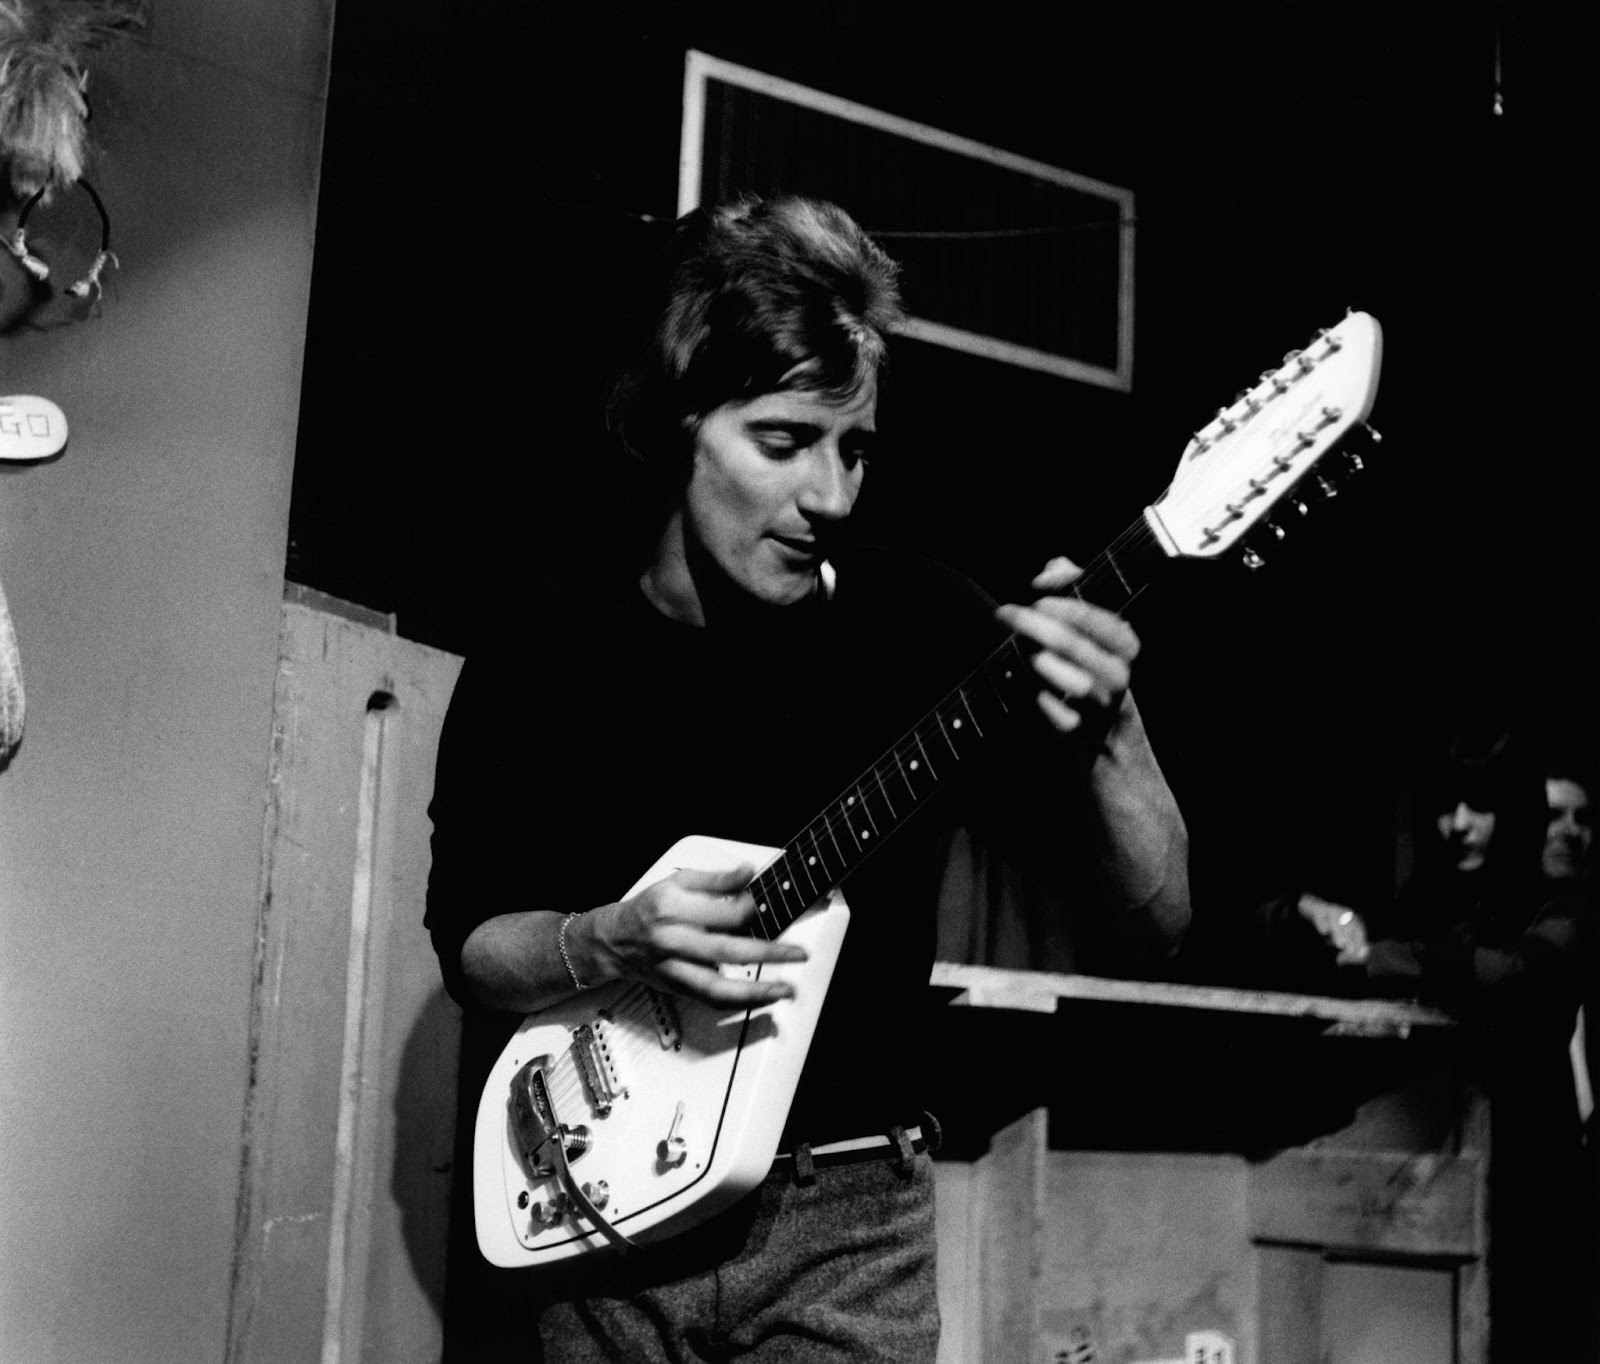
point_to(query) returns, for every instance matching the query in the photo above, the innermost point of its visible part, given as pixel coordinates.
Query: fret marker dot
(866, 833)
(811, 861)
(850, 800)
(955, 724)
(915, 764)
(785, 885)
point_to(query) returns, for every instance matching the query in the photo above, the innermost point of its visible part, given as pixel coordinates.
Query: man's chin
(786, 588)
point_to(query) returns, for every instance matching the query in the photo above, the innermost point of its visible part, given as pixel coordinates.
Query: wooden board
(349, 1117)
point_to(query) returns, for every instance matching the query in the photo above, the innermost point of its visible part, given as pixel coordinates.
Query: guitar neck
(928, 756)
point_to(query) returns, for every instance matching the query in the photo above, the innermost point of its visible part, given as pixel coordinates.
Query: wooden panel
(1010, 1195)
(1387, 1314)
(1144, 1251)
(1394, 1203)
(349, 1120)
(960, 1263)
(1289, 1288)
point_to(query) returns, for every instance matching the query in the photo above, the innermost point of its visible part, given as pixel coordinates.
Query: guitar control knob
(552, 1209)
(598, 1193)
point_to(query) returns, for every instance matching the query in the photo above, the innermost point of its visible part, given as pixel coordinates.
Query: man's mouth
(809, 547)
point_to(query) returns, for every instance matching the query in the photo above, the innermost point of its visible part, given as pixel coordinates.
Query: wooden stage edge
(991, 987)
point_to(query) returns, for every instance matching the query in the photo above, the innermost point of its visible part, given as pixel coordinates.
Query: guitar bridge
(534, 1124)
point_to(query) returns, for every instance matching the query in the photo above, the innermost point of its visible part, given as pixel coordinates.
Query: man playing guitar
(729, 676)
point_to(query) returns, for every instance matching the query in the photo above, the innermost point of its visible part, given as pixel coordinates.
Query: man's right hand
(676, 932)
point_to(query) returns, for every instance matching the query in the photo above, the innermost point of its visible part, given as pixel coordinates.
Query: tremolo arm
(546, 1146)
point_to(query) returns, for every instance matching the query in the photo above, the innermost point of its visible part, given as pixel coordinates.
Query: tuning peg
(1299, 505)
(1252, 560)
(1276, 531)
(1373, 436)
(1354, 461)
(1328, 486)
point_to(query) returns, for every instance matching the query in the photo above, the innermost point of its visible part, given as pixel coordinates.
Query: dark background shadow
(484, 240)
(426, 1171)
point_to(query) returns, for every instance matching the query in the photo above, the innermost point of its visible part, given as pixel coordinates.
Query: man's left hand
(1085, 656)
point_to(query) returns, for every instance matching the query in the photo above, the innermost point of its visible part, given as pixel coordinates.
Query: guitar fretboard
(929, 755)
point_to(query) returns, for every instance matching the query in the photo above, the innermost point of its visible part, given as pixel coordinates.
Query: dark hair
(761, 296)
(1488, 768)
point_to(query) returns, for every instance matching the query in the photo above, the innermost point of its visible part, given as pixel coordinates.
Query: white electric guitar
(621, 1116)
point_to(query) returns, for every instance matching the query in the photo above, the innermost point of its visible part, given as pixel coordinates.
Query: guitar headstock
(1264, 445)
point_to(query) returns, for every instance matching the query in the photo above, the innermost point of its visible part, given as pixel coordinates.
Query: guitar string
(564, 1078)
(954, 705)
(632, 1031)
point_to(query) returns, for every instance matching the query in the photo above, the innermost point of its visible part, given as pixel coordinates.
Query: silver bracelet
(561, 942)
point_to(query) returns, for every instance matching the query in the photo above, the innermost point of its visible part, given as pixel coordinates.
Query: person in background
(1483, 928)
(1568, 862)
(1569, 835)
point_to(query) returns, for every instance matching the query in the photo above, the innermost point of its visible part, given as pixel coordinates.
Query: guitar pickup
(665, 1016)
(591, 1045)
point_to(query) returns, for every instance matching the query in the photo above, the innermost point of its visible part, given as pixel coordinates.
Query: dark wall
(1290, 160)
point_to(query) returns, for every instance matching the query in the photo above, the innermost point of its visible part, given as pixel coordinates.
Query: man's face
(1467, 833)
(773, 481)
(1570, 833)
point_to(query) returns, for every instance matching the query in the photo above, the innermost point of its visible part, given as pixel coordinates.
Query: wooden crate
(1362, 1245)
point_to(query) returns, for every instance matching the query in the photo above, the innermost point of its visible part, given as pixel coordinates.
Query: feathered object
(43, 110)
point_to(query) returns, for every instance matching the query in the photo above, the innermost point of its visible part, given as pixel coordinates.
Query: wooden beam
(1387, 1203)
(992, 987)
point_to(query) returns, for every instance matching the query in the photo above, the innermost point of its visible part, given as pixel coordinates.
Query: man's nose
(830, 491)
